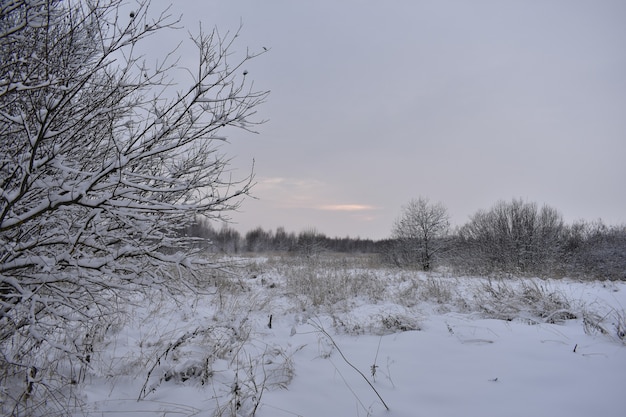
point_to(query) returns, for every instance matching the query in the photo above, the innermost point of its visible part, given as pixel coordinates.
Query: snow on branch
(104, 162)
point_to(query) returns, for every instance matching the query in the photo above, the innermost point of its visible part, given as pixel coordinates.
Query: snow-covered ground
(345, 341)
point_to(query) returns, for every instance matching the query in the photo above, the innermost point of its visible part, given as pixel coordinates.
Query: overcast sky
(463, 102)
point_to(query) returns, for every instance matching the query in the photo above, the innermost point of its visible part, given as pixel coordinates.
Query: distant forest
(582, 250)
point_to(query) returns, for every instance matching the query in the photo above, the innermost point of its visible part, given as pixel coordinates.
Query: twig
(358, 400)
(170, 348)
(374, 366)
(323, 331)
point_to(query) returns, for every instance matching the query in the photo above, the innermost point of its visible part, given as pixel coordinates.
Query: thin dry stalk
(320, 328)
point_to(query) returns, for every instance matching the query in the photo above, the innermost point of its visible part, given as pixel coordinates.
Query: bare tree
(513, 236)
(420, 230)
(103, 159)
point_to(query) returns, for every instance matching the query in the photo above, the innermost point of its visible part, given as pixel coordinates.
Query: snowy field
(336, 337)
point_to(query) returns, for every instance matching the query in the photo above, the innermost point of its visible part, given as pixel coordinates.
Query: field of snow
(335, 337)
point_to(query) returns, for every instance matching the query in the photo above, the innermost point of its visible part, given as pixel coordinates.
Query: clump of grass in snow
(436, 289)
(522, 299)
(594, 323)
(326, 285)
(620, 324)
(378, 320)
(225, 355)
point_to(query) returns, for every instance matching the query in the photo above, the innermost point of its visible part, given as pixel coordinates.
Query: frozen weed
(249, 374)
(394, 323)
(41, 375)
(620, 324)
(436, 289)
(407, 290)
(377, 320)
(592, 323)
(317, 325)
(326, 286)
(225, 356)
(522, 299)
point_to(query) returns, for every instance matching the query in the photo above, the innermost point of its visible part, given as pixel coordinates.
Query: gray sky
(463, 102)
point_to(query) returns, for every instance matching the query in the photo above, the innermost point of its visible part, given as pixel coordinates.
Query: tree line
(307, 242)
(512, 237)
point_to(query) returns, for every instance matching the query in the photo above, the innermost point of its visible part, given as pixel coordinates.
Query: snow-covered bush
(102, 165)
(516, 237)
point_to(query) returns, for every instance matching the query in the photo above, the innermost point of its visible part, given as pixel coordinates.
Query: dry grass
(524, 299)
(328, 281)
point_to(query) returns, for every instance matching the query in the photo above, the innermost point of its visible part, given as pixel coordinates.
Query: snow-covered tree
(514, 236)
(103, 160)
(419, 232)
